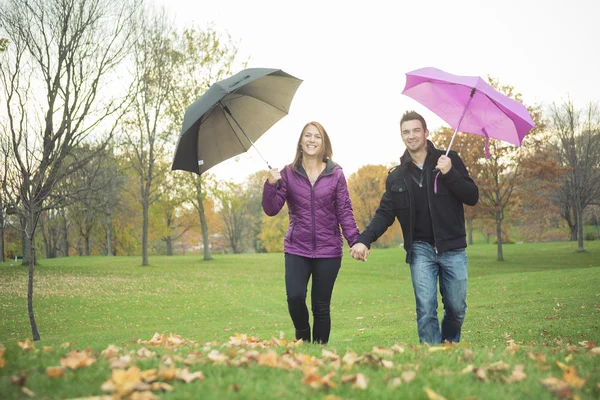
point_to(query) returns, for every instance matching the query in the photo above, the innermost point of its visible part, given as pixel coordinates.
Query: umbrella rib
(262, 101)
(479, 91)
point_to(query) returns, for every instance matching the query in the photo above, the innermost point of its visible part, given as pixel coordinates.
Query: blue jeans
(451, 268)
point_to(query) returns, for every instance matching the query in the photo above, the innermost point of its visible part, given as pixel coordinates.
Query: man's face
(414, 136)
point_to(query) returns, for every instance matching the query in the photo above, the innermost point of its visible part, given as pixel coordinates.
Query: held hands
(274, 176)
(444, 164)
(359, 252)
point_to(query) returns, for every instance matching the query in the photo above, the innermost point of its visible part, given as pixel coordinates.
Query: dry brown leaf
(110, 352)
(167, 373)
(187, 376)
(512, 347)
(361, 382)
(595, 350)
(55, 372)
(65, 345)
(145, 395)
(538, 358)
(149, 375)
(161, 387)
(562, 366)
(28, 391)
(387, 364)
(94, 398)
(468, 369)
(329, 355)
(2, 360)
(145, 353)
(18, 380)
(316, 381)
(498, 366)
(439, 348)
(572, 379)
(396, 382)
(270, 359)
(26, 345)
(78, 359)
(217, 357)
(397, 348)
(408, 376)
(433, 395)
(554, 384)
(517, 375)
(480, 374)
(468, 355)
(383, 351)
(332, 397)
(47, 349)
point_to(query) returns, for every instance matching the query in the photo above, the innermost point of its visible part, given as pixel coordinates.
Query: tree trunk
(579, 223)
(169, 243)
(469, 231)
(109, 228)
(31, 261)
(573, 233)
(2, 259)
(65, 237)
(87, 245)
(145, 235)
(499, 237)
(204, 225)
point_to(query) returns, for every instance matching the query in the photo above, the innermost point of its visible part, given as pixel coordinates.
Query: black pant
(297, 273)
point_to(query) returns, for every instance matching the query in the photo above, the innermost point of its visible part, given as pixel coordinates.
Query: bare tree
(60, 53)
(146, 136)
(233, 201)
(577, 137)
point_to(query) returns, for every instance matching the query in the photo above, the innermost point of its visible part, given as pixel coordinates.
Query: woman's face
(311, 141)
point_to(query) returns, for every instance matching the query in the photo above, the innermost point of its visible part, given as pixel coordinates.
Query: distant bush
(590, 236)
(505, 241)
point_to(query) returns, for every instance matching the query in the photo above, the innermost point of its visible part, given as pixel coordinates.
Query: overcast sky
(353, 56)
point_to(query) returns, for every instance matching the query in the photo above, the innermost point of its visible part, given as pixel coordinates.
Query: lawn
(540, 308)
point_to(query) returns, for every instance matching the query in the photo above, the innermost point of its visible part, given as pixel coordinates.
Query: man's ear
(426, 133)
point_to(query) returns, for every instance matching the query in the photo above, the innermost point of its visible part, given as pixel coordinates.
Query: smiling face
(311, 142)
(414, 136)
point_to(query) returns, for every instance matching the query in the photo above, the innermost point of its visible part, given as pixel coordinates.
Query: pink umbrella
(470, 104)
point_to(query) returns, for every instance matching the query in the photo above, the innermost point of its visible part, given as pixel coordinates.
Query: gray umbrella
(231, 115)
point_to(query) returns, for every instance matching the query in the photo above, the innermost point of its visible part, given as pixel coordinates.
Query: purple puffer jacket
(316, 213)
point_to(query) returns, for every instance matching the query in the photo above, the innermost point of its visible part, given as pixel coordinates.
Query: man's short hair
(412, 115)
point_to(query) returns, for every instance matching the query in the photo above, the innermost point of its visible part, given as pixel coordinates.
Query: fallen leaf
(383, 351)
(110, 352)
(387, 364)
(562, 366)
(149, 375)
(358, 381)
(396, 382)
(595, 350)
(572, 379)
(145, 395)
(65, 345)
(26, 345)
(316, 381)
(161, 387)
(480, 374)
(498, 366)
(468, 369)
(78, 359)
(145, 353)
(468, 355)
(217, 357)
(517, 375)
(332, 397)
(433, 395)
(47, 349)
(167, 373)
(439, 348)
(55, 372)
(28, 391)
(397, 348)
(187, 376)
(554, 384)
(2, 360)
(408, 376)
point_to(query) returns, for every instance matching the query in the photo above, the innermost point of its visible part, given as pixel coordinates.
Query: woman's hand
(274, 176)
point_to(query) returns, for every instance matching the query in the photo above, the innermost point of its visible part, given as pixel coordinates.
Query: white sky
(353, 56)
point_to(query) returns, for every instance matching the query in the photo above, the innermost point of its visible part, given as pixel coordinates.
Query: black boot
(303, 334)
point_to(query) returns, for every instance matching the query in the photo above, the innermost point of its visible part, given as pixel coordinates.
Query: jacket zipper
(430, 213)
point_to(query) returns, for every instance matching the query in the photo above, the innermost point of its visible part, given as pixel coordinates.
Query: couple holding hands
(426, 193)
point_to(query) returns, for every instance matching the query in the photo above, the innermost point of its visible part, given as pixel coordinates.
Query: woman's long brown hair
(326, 152)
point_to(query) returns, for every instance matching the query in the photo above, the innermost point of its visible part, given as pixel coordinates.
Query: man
(426, 193)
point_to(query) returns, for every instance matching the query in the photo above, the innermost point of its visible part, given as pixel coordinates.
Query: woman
(319, 203)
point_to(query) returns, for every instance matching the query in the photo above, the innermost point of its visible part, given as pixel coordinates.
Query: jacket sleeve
(274, 196)
(383, 219)
(343, 209)
(460, 183)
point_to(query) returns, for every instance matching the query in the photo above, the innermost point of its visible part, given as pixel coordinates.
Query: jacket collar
(329, 167)
(406, 158)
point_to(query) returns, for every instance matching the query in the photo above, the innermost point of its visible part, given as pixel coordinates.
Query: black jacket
(446, 206)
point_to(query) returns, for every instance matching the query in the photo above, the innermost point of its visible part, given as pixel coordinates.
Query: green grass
(545, 297)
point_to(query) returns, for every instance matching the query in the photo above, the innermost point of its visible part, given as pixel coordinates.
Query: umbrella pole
(460, 120)
(241, 129)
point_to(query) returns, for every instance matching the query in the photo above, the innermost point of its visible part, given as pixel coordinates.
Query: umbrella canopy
(470, 104)
(232, 114)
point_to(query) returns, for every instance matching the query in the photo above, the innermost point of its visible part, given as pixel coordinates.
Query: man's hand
(359, 252)
(444, 164)
(274, 176)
